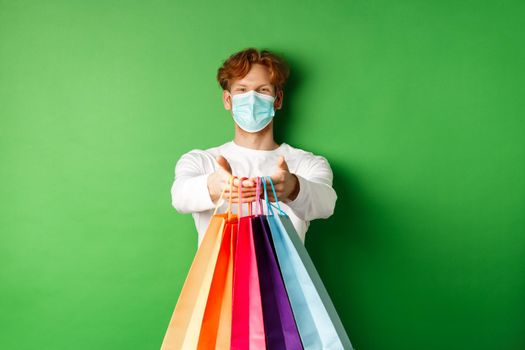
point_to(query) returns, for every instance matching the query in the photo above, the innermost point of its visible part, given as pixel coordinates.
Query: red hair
(240, 63)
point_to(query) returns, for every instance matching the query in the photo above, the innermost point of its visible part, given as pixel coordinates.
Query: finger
(248, 183)
(223, 163)
(279, 187)
(235, 188)
(281, 163)
(236, 195)
(276, 179)
(245, 182)
(243, 189)
(244, 200)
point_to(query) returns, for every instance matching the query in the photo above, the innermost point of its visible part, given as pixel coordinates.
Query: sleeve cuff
(203, 195)
(300, 199)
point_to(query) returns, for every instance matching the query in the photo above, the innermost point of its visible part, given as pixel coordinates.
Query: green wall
(418, 106)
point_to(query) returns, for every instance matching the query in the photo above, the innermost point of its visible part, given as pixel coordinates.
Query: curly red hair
(240, 63)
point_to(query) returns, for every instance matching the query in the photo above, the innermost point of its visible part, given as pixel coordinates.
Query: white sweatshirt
(315, 200)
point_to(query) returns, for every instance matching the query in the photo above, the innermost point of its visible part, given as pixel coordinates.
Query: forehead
(257, 76)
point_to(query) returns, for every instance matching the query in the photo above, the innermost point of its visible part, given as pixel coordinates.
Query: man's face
(258, 79)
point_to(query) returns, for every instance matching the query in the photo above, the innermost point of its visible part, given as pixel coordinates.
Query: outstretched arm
(308, 191)
(197, 188)
(189, 192)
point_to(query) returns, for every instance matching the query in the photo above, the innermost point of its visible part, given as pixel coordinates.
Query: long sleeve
(316, 198)
(189, 192)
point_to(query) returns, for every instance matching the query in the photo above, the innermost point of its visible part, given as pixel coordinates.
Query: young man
(252, 83)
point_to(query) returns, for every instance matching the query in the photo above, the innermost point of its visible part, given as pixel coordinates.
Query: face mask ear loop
(275, 196)
(220, 198)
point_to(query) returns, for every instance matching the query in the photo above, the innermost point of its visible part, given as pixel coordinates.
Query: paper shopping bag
(247, 318)
(215, 332)
(279, 324)
(184, 328)
(317, 320)
(247, 315)
(185, 324)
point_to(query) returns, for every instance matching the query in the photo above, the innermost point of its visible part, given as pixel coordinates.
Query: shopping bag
(280, 328)
(247, 314)
(317, 320)
(279, 324)
(185, 324)
(215, 331)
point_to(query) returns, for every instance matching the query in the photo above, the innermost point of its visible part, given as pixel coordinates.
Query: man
(252, 83)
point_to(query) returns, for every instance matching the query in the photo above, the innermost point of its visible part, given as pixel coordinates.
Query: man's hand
(219, 180)
(286, 184)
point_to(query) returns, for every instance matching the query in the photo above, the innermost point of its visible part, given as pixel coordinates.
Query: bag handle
(268, 204)
(240, 199)
(259, 207)
(230, 180)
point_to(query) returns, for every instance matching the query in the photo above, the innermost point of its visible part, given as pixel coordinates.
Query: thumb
(224, 164)
(281, 164)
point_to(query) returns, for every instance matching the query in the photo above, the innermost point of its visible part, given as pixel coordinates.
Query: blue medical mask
(252, 111)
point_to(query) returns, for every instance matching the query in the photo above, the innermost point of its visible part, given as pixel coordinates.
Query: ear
(279, 100)
(226, 99)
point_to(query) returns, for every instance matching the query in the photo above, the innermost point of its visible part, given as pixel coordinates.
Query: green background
(417, 105)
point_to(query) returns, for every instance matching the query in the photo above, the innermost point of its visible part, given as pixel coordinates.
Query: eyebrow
(257, 86)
